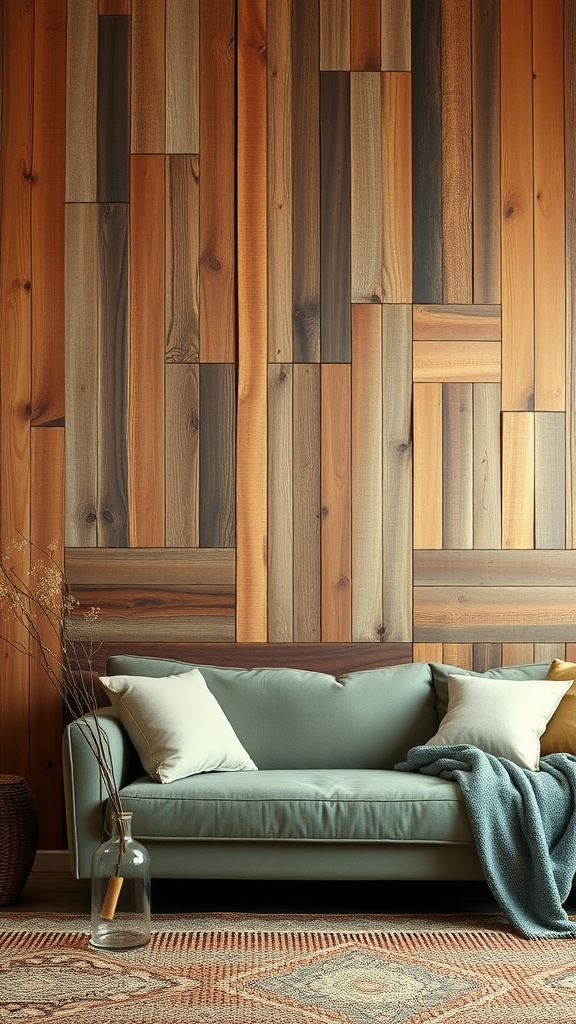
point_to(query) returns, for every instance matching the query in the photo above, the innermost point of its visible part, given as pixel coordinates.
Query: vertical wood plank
(546, 652)
(335, 216)
(550, 480)
(427, 465)
(486, 656)
(81, 100)
(279, 144)
(148, 77)
(367, 504)
(517, 654)
(307, 503)
(396, 188)
(306, 180)
(182, 256)
(46, 712)
(458, 654)
(251, 489)
(426, 151)
(217, 491)
(457, 473)
(47, 212)
(217, 172)
(280, 504)
(334, 35)
(115, 6)
(365, 33)
(518, 220)
(517, 480)
(487, 467)
(182, 455)
(112, 505)
(336, 495)
(549, 240)
(397, 473)
(182, 76)
(81, 379)
(366, 185)
(570, 207)
(456, 152)
(395, 44)
(428, 652)
(486, 148)
(113, 109)
(146, 423)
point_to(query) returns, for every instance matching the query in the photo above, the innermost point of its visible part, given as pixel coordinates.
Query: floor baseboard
(51, 860)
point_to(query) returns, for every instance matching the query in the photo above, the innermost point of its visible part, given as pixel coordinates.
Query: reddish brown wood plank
(336, 501)
(365, 35)
(334, 35)
(427, 465)
(148, 74)
(182, 258)
(457, 322)
(396, 188)
(115, 6)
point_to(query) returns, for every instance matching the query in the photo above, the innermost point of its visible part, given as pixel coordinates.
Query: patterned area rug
(385, 971)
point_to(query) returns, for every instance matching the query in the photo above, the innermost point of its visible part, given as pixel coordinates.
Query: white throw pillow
(176, 725)
(502, 717)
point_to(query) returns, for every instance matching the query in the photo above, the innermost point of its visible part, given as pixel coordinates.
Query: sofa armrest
(84, 793)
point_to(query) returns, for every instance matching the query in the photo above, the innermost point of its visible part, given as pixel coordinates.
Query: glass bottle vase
(120, 890)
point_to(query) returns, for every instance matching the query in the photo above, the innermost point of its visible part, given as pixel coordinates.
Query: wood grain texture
(307, 503)
(397, 473)
(366, 187)
(182, 310)
(395, 42)
(280, 503)
(517, 654)
(507, 568)
(396, 188)
(81, 100)
(367, 497)
(426, 62)
(427, 652)
(182, 455)
(549, 241)
(217, 171)
(549, 480)
(335, 237)
(517, 480)
(82, 372)
(279, 149)
(458, 654)
(148, 77)
(334, 35)
(457, 322)
(203, 568)
(306, 180)
(365, 33)
(113, 110)
(141, 619)
(570, 228)
(251, 465)
(182, 76)
(517, 229)
(487, 466)
(456, 152)
(336, 501)
(427, 430)
(486, 656)
(486, 149)
(115, 6)
(546, 652)
(457, 466)
(217, 487)
(494, 615)
(457, 361)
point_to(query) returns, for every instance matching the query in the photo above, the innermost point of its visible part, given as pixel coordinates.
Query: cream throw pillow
(176, 725)
(502, 717)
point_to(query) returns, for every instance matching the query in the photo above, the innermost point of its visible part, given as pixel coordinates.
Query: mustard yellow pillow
(559, 736)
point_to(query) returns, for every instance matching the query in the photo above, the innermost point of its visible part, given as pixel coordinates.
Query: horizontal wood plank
(508, 568)
(494, 614)
(457, 322)
(151, 566)
(466, 361)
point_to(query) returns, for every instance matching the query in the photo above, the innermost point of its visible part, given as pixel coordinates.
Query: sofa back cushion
(294, 718)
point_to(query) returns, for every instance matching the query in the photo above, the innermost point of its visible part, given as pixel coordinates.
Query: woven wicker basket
(18, 836)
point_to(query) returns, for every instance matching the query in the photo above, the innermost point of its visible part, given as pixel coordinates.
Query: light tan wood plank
(148, 73)
(280, 503)
(494, 615)
(427, 465)
(81, 98)
(549, 480)
(367, 503)
(517, 480)
(334, 35)
(549, 199)
(546, 652)
(195, 567)
(307, 503)
(458, 654)
(570, 228)
(456, 152)
(518, 654)
(457, 466)
(517, 210)
(487, 467)
(182, 446)
(280, 181)
(427, 652)
(183, 76)
(506, 568)
(208, 627)
(457, 322)
(395, 44)
(366, 186)
(470, 361)
(182, 259)
(251, 465)
(397, 471)
(336, 500)
(396, 188)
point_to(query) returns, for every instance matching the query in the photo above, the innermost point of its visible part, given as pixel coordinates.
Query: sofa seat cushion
(330, 805)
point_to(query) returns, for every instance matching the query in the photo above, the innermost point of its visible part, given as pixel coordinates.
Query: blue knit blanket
(524, 825)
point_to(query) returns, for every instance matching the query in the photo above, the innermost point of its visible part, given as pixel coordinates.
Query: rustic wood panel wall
(287, 310)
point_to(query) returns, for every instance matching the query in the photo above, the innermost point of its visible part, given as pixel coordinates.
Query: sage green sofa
(325, 802)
